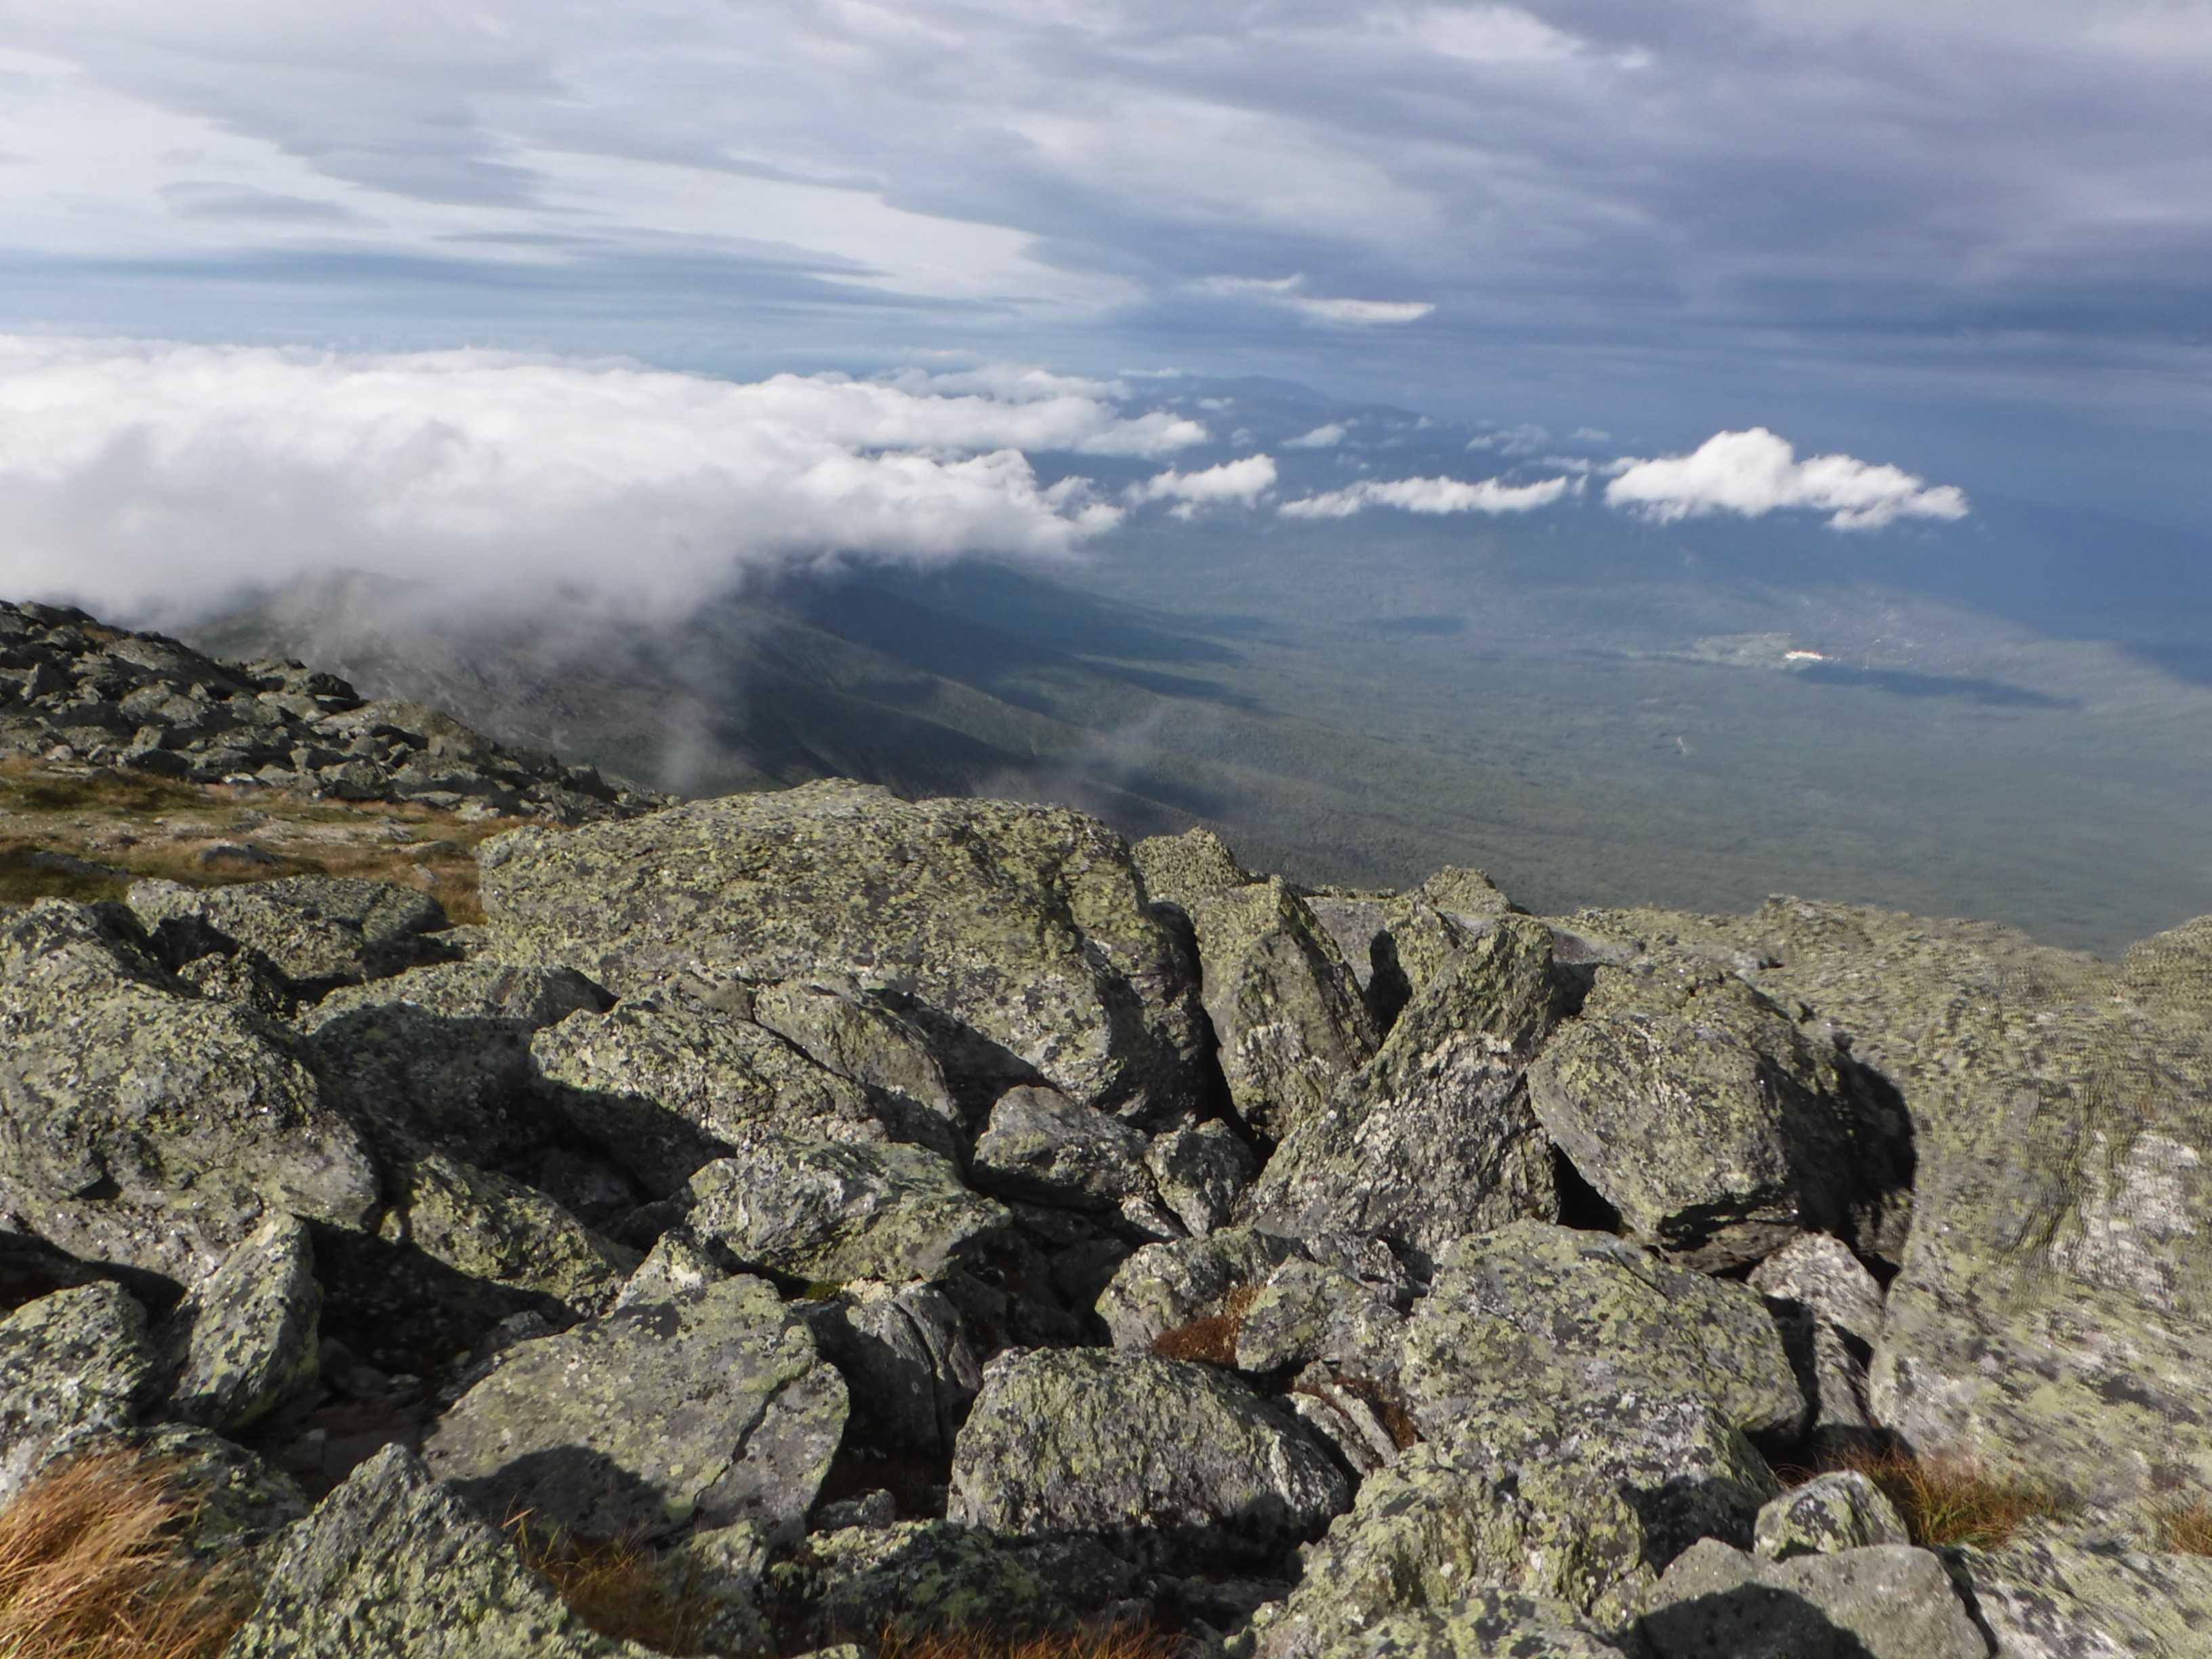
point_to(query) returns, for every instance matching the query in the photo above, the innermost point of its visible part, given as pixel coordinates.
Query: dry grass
(617, 1587)
(2185, 1528)
(1951, 1500)
(1125, 1641)
(1213, 1337)
(155, 827)
(92, 1567)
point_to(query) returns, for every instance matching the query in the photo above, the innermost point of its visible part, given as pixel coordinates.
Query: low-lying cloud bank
(1428, 495)
(1756, 472)
(136, 476)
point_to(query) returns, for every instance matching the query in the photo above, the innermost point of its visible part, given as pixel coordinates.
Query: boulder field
(882, 1216)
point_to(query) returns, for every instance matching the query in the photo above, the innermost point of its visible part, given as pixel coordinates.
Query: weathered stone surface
(713, 1407)
(1819, 1274)
(1163, 1458)
(1886, 1601)
(1432, 1140)
(1042, 1146)
(666, 1083)
(245, 1340)
(1027, 925)
(1285, 1008)
(861, 1036)
(316, 931)
(1486, 1624)
(1830, 1309)
(1551, 1316)
(489, 1226)
(911, 1577)
(1200, 1172)
(827, 1211)
(74, 1362)
(675, 1266)
(2056, 1600)
(1181, 870)
(906, 1360)
(1839, 1510)
(1715, 1125)
(1164, 1286)
(143, 1126)
(1467, 895)
(239, 1508)
(1306, 1312)
(391, 1566)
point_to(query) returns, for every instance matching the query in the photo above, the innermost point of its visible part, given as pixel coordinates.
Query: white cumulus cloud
(137, 476)
(1757, 472)
(1321, 437)
(1241, 481)
(1429, 496)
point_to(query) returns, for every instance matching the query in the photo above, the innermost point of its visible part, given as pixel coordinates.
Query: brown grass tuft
(1213, 1337)
(1390, 1407)
(92, 1566)
(1949, 1499)
(616, 1586)
(1124, 1641)
(2185, 1528)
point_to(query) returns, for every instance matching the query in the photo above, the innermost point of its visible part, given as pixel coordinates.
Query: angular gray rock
(907, 1363)
(392, 1565)
(1839, 1510)
(1026, 926)
(1168, 1460)
(246, 1338)
(1716, 1126)
(911, 1577)
(1306, 1312)
(1433, 1138)
(1285, 1010)
(1200, 1172)
(1831, 1311)
(666, 1083)
(489, 1226)
(1550, 1316)
(2057, 1599)
(861, 1036)
(1164, 1286)
(1885, 1602)
(144, 1125)
(1040, 1146)
(316, 931)
(712, 1407)
(1181, 870)
(73, 1363)
(831, 1211)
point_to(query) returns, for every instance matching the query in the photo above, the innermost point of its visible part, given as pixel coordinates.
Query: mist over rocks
(940, 1211)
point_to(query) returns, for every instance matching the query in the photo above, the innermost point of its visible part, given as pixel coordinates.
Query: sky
(1876, 260)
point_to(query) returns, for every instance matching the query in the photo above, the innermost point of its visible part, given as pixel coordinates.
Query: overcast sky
(1970, 240)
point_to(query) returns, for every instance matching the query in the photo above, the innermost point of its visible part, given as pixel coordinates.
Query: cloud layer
(1756, 472)
(133, 476)
(1429, 496)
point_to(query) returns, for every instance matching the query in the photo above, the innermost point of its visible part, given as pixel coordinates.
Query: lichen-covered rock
(317, 931)
(71, 1362)
(1716, 1126)
(2053, 1599)
(711, 1408)
(245, 1340)
(391, 1566)
(1885, 1602)
(1487, 1624)
(829, 1211)
(1433, 1138)
(1305, 1312)
(1181, 870)
(1548, 1316)
(146, 1127)
(675, 1266)
(666, 1083)
(907, 1362)
(1042, 1146)
(1465, 894)
(1199, 1171)
(486, 1226)
(1830, 1309)
(1167, 1460)
(1285, 1010)
(1839, 1510)
(861, 1036)
(911, 1578)
(1026, 926)
(1164, 1286)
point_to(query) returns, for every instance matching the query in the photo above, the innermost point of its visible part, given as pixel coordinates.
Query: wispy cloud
(1289, 293)
(1434, 496)
(1241, 482)
(1756, 472)
(136, 475)
(1321, 437)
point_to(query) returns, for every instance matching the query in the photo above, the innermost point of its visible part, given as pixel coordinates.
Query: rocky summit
(857, 1219)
